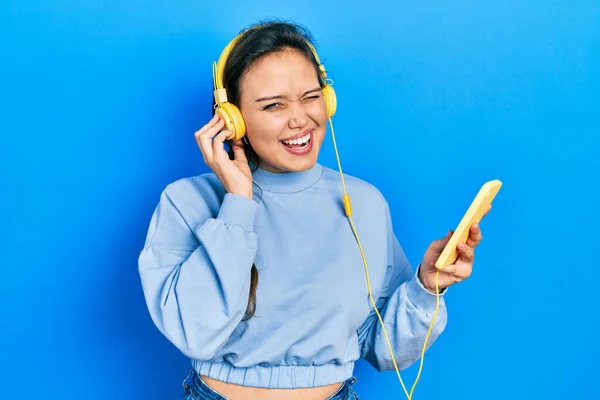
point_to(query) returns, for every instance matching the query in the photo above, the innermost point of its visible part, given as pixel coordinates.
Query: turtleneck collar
(287, 182)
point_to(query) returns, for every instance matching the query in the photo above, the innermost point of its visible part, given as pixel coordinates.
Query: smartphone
(474, 214)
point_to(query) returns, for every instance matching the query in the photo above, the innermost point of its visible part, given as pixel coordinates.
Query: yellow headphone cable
(348, 209)
(235, 122)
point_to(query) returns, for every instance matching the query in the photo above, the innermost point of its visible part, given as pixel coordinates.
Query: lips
(300, 135)
(299, 144)
(298, 141)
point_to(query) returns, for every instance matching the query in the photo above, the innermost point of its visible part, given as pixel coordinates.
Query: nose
(298, 116)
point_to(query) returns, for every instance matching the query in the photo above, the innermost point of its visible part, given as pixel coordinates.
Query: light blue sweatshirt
(314, 318)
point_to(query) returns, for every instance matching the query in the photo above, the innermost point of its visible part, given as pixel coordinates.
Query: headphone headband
(219, 68)
(232, 116)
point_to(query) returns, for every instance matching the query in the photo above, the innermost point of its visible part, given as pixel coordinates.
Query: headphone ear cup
(330, 100)
(234, 121)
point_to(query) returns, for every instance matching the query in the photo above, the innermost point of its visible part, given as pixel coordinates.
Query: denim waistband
(194, 384)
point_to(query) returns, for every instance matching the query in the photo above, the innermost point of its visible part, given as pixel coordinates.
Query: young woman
(253, 270)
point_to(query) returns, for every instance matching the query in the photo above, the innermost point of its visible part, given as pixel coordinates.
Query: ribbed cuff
(420, 297)
(238, 210)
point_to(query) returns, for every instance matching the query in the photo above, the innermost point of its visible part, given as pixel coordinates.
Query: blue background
(99, 104)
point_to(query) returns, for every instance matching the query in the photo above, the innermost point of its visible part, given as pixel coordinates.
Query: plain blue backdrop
(99, 103)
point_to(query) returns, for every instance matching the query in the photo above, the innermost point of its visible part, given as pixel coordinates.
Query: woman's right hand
(235, 175)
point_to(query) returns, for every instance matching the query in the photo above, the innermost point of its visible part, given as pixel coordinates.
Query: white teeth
(301, 140)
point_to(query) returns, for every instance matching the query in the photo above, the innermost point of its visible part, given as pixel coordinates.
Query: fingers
(238, 151)
(488, 210)
(467, 253)
(437, 246)
(215, 120)
(219, 153)
(204, 138)
(443, 241)
(459, 272)
(475, 236)
(462, 270)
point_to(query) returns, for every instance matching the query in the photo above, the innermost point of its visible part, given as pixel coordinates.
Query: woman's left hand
(457, 272)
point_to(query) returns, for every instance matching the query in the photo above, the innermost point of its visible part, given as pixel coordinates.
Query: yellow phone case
(474, 214)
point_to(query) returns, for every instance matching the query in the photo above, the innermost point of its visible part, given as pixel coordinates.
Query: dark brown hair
(259, 40)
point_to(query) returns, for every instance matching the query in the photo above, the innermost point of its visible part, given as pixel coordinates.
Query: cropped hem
(276, 376)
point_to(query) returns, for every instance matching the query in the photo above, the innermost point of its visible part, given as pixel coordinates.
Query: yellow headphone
(235, 123)
(232, 115)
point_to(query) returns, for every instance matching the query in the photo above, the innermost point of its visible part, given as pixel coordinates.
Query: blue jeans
(196, 389)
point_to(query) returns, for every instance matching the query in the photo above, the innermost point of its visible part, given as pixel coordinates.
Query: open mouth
(300, 143)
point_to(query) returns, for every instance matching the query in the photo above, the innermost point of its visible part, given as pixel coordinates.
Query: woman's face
(285, 114)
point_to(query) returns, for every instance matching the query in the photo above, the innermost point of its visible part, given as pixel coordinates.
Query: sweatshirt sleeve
(196, 279)
(406, 308)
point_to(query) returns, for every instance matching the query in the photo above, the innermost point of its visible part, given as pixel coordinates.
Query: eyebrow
(281, 97)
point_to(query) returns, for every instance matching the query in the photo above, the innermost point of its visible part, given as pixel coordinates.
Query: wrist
(248, 195)
(243, 193)
(424, 282)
